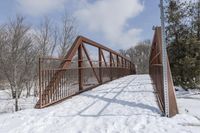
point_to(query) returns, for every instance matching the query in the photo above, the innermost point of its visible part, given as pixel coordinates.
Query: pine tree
(196, 19)
(183, 47)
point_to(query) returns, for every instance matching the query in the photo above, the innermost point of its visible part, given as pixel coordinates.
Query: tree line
(183, 39)
(21, 45)
(139, 54)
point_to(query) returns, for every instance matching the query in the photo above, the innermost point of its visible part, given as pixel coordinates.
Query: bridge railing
(79, 71)
(156, 73)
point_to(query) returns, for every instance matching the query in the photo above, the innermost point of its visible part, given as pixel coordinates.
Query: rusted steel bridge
(156, 73)
(89, 64)
(77, 72)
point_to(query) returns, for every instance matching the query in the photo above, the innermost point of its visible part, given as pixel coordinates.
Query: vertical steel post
(164, 61)
(118, 74)
(122, 62)
(117, 61)
(80, 71)
(111, 66)
(40, 89)
(100, 66)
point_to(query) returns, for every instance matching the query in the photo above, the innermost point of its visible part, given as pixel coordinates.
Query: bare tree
(20, 49)
(55, 38)
(123, 52)
(2, 38)
(50, 35)
(15, 46)
(67, 35)
(140, 56)
(31, 63)
(44, 38)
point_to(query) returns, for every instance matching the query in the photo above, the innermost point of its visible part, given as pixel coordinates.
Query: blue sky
(116, 23)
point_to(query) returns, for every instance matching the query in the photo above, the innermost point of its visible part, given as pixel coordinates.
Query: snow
(7, 104)
(125, 105)
(189, 102)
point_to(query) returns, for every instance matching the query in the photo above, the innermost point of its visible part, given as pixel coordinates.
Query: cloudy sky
(117, 23)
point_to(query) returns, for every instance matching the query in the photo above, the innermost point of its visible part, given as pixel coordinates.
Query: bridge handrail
(156, 73)
(54, 82)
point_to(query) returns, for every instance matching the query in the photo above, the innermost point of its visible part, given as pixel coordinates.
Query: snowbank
(7, 104)
(126, 105)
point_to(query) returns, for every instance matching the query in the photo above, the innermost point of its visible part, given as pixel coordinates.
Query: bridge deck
(124, 105)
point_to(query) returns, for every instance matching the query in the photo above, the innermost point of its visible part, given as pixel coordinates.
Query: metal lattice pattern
(77, 72)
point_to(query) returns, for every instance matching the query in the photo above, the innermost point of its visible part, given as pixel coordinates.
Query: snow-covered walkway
(126, 105)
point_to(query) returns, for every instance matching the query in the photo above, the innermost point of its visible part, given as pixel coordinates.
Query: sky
(119, 24)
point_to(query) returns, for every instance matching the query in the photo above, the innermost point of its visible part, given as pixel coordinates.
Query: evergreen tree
(196, 19)
(183, 47)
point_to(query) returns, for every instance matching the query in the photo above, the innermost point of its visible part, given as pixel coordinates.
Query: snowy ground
(126, 105)
(7, 104)
(189, 103)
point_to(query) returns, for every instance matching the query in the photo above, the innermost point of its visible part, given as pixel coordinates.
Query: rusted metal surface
(80, 70)
(156, 71)
(60, 79)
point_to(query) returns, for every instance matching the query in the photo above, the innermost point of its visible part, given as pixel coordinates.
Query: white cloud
(110, 18)
(39, 7)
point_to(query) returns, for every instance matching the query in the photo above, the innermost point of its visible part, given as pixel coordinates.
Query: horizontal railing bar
(98, 45)
(70, 60)
(82, 68)
(156, 65)
(53, 58)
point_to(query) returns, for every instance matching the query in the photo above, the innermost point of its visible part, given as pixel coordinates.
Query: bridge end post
(111, 78)
(118, 75)
(80, 71)
(100, 66)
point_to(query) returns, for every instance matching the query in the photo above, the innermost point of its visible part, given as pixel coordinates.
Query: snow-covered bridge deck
(124, 105)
